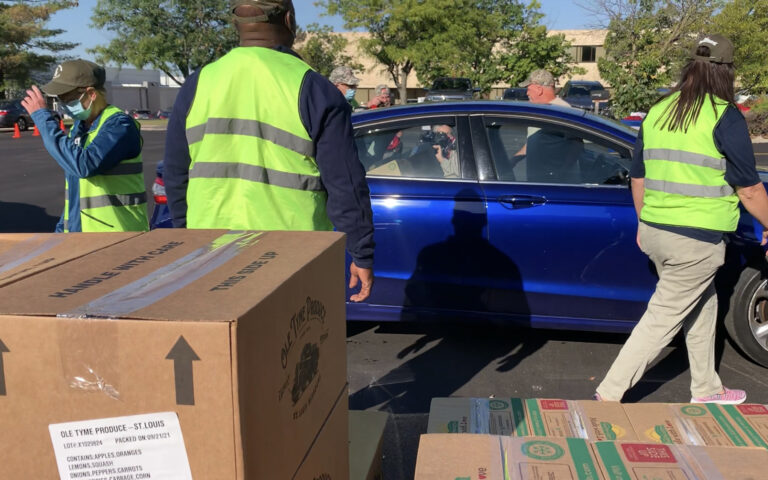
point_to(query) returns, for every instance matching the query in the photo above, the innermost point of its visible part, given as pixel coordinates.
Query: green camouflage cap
(720, 49)
(343, 74)
(75, 74)
(271, 8)
(539, 77)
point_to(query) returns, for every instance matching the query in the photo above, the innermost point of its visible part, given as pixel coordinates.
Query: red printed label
(554, 404)
(641, 452)
(752, 409)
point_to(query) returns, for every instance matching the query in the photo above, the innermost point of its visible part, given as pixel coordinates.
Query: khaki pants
(684, 298)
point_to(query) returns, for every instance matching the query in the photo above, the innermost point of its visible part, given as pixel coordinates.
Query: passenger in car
(445, 150)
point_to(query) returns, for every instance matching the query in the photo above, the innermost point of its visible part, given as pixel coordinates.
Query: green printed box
(495, 416)
(587, 419)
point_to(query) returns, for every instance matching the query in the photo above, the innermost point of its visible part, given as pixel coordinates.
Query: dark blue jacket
(326, 116)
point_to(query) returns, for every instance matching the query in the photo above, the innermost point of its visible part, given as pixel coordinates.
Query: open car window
(423, 149)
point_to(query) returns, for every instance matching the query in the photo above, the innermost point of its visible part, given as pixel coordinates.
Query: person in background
(692, 165)
(540, 86)
(101, 156)
(346, 81)
(381, 97)
(257, 140)
(445, 150)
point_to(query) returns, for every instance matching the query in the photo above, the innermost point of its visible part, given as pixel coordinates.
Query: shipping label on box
(582, 419)
(134, 447)
(496, 416)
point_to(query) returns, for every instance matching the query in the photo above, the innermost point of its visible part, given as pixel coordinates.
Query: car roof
(497, 107)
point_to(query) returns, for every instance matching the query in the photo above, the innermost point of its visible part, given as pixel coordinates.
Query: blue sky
(559, 15)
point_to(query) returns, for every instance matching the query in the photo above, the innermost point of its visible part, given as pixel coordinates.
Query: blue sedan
(518, 212)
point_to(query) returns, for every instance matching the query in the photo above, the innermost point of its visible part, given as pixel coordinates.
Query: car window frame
(487, 166)
(458, 120)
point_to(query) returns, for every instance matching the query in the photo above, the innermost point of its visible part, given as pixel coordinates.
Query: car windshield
(451, 84)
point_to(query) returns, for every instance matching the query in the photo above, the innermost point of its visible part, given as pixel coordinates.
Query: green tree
(488, 41)
(647, 43)
(390, 32)
(323, 50)
(745, 23)
(27, 46)
(175, 37)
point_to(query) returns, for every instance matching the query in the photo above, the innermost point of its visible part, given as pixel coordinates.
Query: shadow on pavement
(453, 275)
(22, 217)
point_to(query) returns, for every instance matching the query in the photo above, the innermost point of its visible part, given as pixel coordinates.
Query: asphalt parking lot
(399, 368)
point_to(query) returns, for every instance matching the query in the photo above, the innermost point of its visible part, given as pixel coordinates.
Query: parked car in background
(545, 242)
(13, 113)
(163, 114)
(515, 93)
(583, 94)
(141, 114)
(451, 88)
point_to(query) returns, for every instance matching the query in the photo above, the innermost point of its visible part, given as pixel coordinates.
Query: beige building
(586, 49)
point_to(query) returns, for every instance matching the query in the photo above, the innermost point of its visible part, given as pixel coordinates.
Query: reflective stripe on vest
(253, 163)
(114, 200)
(685, 172)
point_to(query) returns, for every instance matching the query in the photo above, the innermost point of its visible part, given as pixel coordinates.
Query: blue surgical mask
(350, 94)
(75, 109)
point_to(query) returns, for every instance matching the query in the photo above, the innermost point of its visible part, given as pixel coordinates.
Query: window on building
(588, 54)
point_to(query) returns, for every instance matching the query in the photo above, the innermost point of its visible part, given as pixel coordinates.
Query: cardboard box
(241, 334)
(642, 461)
(475, 457)
(538, 417)
(25, 254)
(496, 416)
(696, 424)
(366, 438)
(578, 418)
(328, 459)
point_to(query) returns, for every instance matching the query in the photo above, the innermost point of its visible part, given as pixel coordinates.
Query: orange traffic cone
(36, 132)
(61, 125)
(16, 131)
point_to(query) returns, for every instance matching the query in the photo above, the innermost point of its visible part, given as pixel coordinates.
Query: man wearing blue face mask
(346, 81)
(101, 156)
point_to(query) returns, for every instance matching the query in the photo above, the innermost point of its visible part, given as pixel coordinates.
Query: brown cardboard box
(642, 461)
(578, 418)
(489, 457)
(540, 417)
(241, 334)
(366, 438)
(25, 254)
(689, 424)
(496, 416)
(467, 456)
(328, 459)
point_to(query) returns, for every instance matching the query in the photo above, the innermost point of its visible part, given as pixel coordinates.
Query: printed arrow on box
(3, 349)
(183, 356)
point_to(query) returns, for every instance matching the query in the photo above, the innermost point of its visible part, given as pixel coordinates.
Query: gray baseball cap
(269, 7)
(720, 49)
(343, 74)
(74, 74)
(539, 77)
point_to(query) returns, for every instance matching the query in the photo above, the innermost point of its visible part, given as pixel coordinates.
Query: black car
(583, 94)
(12, 112)
(515, 93)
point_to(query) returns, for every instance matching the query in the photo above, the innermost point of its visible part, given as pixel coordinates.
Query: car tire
(22, 123)
(747, 317)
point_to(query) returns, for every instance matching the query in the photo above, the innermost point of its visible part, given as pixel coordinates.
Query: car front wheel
(22, 123)
(747, 317)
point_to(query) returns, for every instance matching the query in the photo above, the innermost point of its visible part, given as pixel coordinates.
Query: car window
(421, 150)
(534, 151)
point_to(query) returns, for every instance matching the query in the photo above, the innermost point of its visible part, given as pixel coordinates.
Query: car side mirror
(600, 95)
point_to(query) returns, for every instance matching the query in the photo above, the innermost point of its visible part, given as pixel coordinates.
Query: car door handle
(521, 201)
